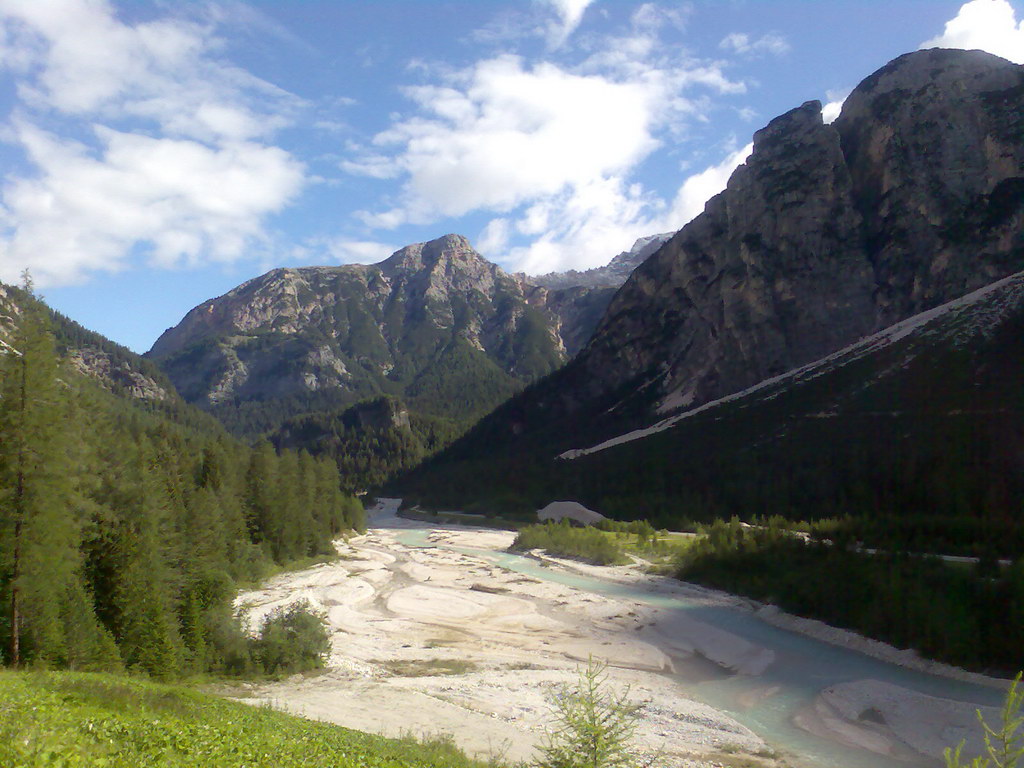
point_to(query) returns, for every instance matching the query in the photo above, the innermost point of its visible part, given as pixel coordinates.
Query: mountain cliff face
(435, 324)
(914, 196)
(917, 429)
(827, 234)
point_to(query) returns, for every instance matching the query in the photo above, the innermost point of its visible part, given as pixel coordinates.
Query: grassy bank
(661, 548)
(564, 540)
(609, 543)
(69, 719)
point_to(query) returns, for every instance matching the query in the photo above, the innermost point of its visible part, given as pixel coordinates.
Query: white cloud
(179, 199)
(91, 64)
(553, 21)
(373, 166)
(390, 219)
(988, 25)
(701, 187)
(495, 237)
(162, 147)
(359, 251)
(740, 42)
(834, 106)
(514, 133)
(549, 150)
(594, 222)
(652, 17)
(831, 111)
(606, 217)
(569, 13)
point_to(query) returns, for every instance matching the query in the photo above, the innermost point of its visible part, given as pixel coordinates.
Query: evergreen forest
(126, 527)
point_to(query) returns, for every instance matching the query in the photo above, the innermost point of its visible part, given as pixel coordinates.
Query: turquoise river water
(803, 667)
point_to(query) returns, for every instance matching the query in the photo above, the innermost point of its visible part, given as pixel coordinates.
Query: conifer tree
(292, 521)
(144, 590)
(39, 535)
(260, 481)
(124, 533)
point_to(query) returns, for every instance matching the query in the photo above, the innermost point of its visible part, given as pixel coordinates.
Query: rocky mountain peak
(434, 270)
(933, 144)
(802, 119)
(611, 275)
(432, 316)
(934, 70)
(914, 196)
(828, 233)
(449, 251)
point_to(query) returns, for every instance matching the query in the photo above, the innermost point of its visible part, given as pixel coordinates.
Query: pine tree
(593, 725)
(260, 481)
(293, 520)
(39, 534)
(144, 584)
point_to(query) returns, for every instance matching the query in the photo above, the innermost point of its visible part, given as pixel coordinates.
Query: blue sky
(155, 154)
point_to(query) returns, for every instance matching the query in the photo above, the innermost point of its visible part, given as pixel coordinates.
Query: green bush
(1005, 747)
(593, 726)
(292, 639)
(563, 539)
(940, 609)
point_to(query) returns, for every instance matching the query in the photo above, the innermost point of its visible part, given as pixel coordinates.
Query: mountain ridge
(826, 235)
(914, 432)
(113, 366)
(435, 331)
(790, 263)
(611, 275)
(923, 322)
(354, 332)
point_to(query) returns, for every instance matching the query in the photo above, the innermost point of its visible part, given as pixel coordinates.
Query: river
(769, 703)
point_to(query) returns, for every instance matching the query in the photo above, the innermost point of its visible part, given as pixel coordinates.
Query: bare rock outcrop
(914, 196)
(435, 322)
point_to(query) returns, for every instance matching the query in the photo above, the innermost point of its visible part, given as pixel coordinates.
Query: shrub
(292, 639)
(567, 541)
(593, 725)
(1005, 747)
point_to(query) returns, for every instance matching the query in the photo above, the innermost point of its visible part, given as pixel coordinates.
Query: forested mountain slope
(916, 431)
(369, 441)
(116, 368)
(436, 329)
(126, 522)
(436, 324)
(828, 233)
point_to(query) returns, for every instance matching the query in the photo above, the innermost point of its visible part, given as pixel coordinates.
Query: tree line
(368, 446)
(971, 617)
(124, 533)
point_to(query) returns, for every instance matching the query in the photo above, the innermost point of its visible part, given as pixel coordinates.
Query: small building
(573, 511)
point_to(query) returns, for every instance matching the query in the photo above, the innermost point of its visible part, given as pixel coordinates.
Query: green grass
(661, 551)
(276, 569)
(68, 719)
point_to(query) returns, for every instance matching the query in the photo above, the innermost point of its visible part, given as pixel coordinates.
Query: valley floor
(443, 639)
